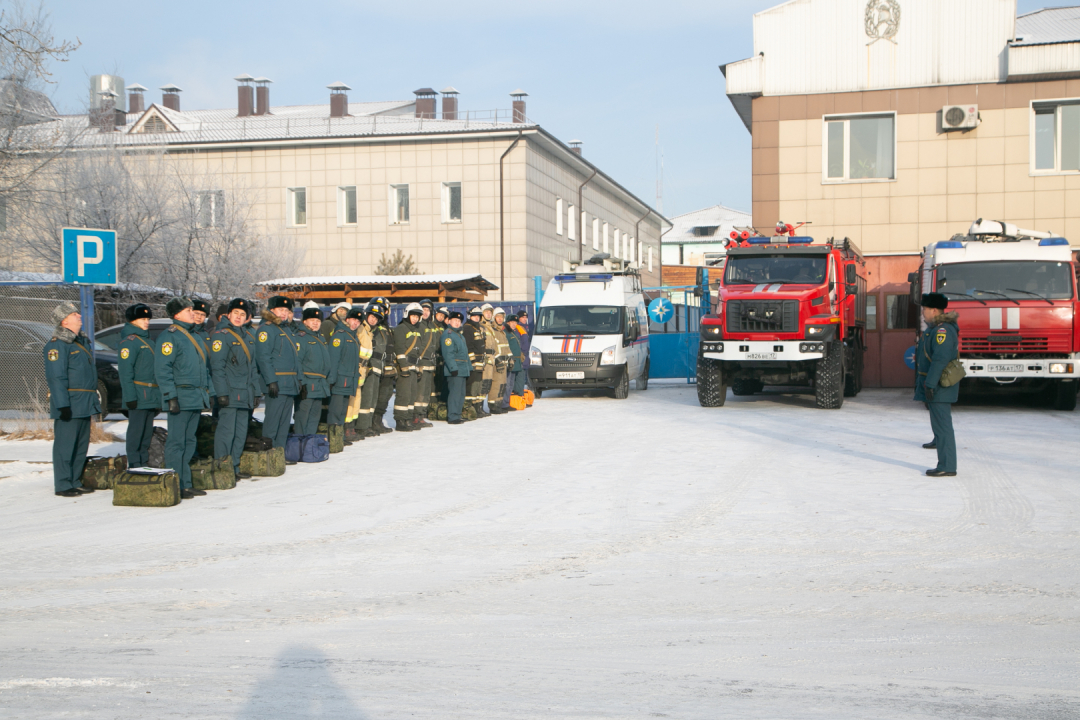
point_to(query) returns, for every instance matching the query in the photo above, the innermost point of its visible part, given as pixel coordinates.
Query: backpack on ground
(258, 444)
(213, 473)
(307, 448)
(265, 463)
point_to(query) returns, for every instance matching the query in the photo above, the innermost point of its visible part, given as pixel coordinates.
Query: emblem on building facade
(882, 20)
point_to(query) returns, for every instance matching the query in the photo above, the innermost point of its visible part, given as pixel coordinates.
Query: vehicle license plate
(1004, 368)
(570, 376)
(760, 356)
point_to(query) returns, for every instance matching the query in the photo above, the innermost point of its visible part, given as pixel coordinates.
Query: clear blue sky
(605, 72)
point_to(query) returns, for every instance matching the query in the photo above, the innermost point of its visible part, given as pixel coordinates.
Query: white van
(592, 331)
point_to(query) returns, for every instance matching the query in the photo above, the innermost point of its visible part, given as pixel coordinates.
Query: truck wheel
(1065, 395)
(853, 381)
(711, 388)
(829, 380)
(746, 386)
(643, 381)
(622, 390)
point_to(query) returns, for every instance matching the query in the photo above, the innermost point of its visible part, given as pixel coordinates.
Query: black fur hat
(935, 300)
(240, 304)
(312, 313)
(177, 304)
(199, 305)
(222, 309)
(136, 311)
(355, 312)
(280, 301)
(455, 314)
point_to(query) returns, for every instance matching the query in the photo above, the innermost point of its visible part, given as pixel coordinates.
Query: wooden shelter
(395, 288)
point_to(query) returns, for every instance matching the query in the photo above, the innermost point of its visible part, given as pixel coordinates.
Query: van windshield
(1014, 280)
(580, 320)
(779, 268)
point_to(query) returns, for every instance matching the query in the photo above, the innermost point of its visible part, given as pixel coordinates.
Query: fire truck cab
(1015, 294)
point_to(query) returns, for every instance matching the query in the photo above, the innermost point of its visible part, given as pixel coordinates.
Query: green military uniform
(344, 375)
(315, 366)
(938, 346)
(256, 379)
(233, 371)
(138, 383)
(72, 378)
(180, 365)
(278, 354)
(408, 346)
(456, 369)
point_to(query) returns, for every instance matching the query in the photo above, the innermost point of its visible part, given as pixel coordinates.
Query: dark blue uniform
(232, 367)
(181, 368)
(278, 355)
(139, 383)
(344, 375)
(315, 366)
(456, 368)
(938, 346)
(72, 378)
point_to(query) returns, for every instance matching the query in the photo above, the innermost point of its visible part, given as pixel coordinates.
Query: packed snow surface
(588, 558)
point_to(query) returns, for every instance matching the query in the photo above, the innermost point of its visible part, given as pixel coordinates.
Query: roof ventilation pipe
(262, 96)
(135, 98)
(449, 103)
(519, 96)
(339, 101)
(575, 147)
(245, 96)
(170, 97)
(425, 103)
(106, 114)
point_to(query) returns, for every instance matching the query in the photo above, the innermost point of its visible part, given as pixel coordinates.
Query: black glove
(929, 394)
(223, 401)
(303, 392)
(132, 404)
(453, 373)
(65, 413)
(271, 389)
(174, 406)
(258, 402)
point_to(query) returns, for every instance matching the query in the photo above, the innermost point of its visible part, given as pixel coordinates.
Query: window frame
(913, 318)
(444, 199)
(290, 206)
(559, 216)
(846, 117)
(1057, 104)
(343, 206)
(392, 196)
(571, 223)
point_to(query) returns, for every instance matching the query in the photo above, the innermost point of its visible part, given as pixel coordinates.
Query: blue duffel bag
(314, 448)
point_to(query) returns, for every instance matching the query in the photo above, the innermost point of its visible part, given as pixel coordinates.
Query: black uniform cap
(355, 312)
(311, 314)
(177, 304)
(222, 309)
(455, 314)
(136, 311)
(240, 304)
(199, 305)
(935, 300)
(280, 301)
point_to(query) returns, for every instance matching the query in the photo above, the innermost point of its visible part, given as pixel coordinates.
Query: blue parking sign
(89, 256)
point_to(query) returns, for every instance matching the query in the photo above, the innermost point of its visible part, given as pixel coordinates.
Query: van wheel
(538, 392)
(829, 379)
(711, 388)
(622, 390)
(643, 381)
(1065, 395)
(103, 398)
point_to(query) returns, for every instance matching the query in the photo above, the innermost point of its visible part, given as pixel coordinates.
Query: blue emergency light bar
(951, 245)
(781, 240)
(601, 277)
(1053, 241)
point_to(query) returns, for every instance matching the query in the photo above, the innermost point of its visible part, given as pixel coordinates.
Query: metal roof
(723, 218)
(1048, 26)
(478, 280)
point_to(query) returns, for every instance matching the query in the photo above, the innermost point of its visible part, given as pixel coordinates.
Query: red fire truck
(789, 312)
(1015, 293)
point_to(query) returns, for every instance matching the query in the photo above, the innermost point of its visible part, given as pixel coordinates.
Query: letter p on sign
(89, 256)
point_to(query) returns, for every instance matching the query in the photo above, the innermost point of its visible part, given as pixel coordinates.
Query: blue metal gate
(673, 346)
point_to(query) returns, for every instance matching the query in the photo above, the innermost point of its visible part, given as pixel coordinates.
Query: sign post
(89, 256)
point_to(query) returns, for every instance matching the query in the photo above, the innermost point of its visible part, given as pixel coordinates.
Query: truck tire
(746, 386)
(1065, 395)
(711, 388)
(853, 380)
(643, 381)
(622, 389)
(829, 380)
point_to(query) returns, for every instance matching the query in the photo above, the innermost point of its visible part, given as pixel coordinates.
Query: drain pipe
(502, 223)
(637, 234)
(580, 211)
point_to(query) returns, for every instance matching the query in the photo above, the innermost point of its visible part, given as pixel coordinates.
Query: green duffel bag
(335, 434)
(440, 411)
(267, 463)
(146, 490)
(100, 473)
(212, 474)
(468, 412)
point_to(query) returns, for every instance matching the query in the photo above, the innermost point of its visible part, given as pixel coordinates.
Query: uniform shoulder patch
(125, 354)
(217, 346)
(941, 336)
(166, 348)
(449, 341)
(263, 336)
(172, 328)
(54, 355)
(337, 342)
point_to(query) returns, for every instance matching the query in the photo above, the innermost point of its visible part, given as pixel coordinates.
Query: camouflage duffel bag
(335, 434)
(266, 463)
(468, 412)
(212, 473)
(137, 490)
(100, 473)
(437, 411)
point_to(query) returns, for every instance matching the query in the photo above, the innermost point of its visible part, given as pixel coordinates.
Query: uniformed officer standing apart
(278, 354)
(138, 384)
(72, 378)
(315, 366)
(409, 345)
(181, 368)
(475, 341)
(456, 367)
(232, 368)
(344, 376)
(938, 346)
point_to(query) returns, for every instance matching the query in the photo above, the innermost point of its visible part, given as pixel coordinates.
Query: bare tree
(397, 264)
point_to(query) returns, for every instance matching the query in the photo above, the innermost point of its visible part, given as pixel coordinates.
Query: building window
(451, 202)
(871, 312)
(571, 224)
(650, 258)
(399, 204)
(705, 230)
(346, 205)
(595, 233)
(606, 230)
(860, 148)
(209, 208)
(558, 216)
(901, 313)
(584, 227)
(1056, 136)
(296, 207)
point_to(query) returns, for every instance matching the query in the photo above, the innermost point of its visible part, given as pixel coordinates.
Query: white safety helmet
(414, 308)
(499, 311)
(343, 305)
(310, 304)
(486, 306)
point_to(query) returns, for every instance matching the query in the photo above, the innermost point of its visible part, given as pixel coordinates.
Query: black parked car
(21, 345)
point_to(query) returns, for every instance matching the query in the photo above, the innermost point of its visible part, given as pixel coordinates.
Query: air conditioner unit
(959, 117)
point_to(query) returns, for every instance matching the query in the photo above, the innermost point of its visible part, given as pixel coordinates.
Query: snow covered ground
(589, 558)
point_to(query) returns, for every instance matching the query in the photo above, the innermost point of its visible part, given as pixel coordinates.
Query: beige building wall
(944, 180)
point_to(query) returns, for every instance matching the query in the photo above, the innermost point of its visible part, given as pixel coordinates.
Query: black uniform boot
(480, 412)
(403, 424)
(378, 426)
